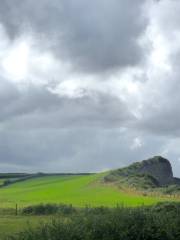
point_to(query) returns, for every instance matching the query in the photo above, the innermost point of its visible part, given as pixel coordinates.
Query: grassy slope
(76, 190)
(12, 224)
(2, 181)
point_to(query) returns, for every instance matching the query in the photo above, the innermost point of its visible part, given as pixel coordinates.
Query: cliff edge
(153, 172)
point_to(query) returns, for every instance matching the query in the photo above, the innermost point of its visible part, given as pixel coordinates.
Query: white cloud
(137, 143)
(15, 62)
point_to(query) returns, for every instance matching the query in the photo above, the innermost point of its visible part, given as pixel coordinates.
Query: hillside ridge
(153, 172)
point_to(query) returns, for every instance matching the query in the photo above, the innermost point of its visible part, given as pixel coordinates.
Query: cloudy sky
(88, 85)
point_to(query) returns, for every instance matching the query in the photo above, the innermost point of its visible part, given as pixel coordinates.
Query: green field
(1, 181)
(79, 191)
(76, 190)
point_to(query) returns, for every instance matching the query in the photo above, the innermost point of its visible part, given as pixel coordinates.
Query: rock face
(158, 167)
(154, 172)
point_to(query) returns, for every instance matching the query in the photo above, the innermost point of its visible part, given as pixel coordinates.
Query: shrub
(144, 223)
(48, 209)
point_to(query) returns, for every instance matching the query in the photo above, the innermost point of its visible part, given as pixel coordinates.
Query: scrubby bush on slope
(146, 223)
(46, 209)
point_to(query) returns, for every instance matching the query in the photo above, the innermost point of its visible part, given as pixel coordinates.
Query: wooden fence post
(16, 211)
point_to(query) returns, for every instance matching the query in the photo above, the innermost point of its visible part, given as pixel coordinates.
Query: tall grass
(160, 222)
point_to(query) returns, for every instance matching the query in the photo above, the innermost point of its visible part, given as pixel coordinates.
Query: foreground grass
(76, 190)
(11, 225)
(160, 222)
(1, 181)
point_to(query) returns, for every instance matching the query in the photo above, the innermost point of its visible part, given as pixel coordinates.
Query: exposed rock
(158, 167)
(154, 172)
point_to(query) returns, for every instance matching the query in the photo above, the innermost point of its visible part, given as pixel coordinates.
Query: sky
(87, 86)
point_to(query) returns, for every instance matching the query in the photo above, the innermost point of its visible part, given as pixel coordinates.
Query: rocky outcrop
(158, 167)
(154, 172)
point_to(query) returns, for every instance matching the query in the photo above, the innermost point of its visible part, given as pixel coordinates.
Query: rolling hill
(154, 174)
(125, 186)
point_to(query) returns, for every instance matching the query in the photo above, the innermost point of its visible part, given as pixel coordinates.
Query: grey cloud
(45, 132)
(41, 131)
(94, 36)
(67, 150)
(36, 107)
(160, 111)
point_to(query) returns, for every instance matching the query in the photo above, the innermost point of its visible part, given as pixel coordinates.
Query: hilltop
(146, 182)
(155, 172)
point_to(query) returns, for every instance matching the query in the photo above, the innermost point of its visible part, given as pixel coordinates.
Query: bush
(145, 223)
(48, 209)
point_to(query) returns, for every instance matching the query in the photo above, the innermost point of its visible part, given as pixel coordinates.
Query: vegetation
(143, 223)
(150, 176)
(77, 190)
(11, 178)
(139, 181)
(2, 182)
(48, 209)
(12, 225)
(119, 204)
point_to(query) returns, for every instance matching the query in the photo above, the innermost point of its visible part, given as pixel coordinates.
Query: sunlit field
(76, 190)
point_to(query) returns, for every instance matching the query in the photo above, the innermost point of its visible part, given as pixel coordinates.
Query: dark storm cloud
(161, 115)
(41, 131)
(37, 107)
(110, 123)
(94, 36)
(72, 149)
